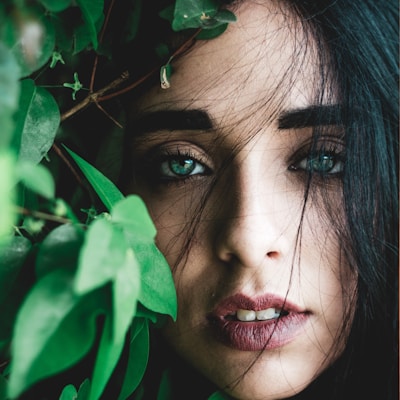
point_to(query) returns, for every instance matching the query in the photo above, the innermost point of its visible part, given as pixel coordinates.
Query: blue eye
(323, 163)
(181, 166)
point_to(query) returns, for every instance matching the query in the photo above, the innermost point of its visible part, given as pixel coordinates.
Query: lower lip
(259, 335)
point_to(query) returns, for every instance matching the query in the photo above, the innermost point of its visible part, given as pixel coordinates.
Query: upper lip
(240, 301)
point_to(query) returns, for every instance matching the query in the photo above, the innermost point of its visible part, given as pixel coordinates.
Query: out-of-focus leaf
(7, 193)
(138, 357)
(16, 278)
(9, 94)
(13, 254)
(133, 23)
(52, 319)
(91, 11)
(102, 253)
(56, 5)
(106, 256)
(37, 178)
(219, 396)
(131, 213)
(105, 189)
(126, 289)
(59, 250)
(31, 37)
(3, 388)
(37, 122)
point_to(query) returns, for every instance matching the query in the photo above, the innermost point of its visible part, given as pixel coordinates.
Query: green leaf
(7, 193)
(138, 357)
(165, 389)
(56, 319)
(207, 34)
(203, 14)
(107, 358)
(37, 178)
(60, 250)
(193, 13)
(84, 390)
(31, 38)
(69, 393)
(134, 20)
(219, 396)
(132, 214)
(143, 312)
(9, 94)
(106, 256)
(91, 10)
(15, 280)
(56, 5)
(105, 189)
(158, 292)
(37, 122)
(126, 287)
(12, 257)
(103, 251)
(28, 91)
(3, 388)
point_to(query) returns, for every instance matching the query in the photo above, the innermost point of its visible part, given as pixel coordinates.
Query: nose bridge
(253, 223)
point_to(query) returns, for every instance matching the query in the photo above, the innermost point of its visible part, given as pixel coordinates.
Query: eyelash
(191, 166)
(325, 161)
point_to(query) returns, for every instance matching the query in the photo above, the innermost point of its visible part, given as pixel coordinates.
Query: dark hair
(361, 39)
(358, 43)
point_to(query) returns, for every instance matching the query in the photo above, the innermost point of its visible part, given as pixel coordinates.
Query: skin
(245, 239)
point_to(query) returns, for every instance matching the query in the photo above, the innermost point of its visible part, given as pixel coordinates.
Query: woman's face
(223, 157)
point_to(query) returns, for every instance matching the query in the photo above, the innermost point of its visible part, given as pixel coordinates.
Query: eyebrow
(172, 120)
(197, 119)
(320, 115)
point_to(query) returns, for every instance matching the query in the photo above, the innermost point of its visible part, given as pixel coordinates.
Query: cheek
(326, 276)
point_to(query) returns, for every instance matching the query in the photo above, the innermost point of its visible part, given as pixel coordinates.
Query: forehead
(264, 58)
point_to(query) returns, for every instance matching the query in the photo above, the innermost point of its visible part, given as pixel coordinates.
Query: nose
(253, 227)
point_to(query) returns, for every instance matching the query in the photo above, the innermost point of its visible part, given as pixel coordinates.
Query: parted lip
(231, 304)
(257, 335)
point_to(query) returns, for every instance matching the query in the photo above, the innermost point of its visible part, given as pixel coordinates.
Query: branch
(94, 97)
(42, 215)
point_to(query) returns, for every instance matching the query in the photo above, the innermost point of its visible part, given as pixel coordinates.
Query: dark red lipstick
(257, 335)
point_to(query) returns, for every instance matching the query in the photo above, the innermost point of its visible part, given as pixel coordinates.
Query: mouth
(265, 323)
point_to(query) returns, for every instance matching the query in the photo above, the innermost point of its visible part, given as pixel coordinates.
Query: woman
(269, 167)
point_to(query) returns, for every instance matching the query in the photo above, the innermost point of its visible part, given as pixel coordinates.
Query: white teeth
(262, 315)
(269, 313)
(246, 315)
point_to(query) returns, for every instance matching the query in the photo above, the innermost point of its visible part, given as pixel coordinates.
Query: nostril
(273, 254)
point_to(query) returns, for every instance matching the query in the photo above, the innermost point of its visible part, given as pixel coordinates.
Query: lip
(257, 335)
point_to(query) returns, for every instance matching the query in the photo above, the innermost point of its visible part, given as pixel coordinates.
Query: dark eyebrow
(172, 120)
(321, 115)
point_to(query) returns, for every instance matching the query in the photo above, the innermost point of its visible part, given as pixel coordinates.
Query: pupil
(323, 163)
(182, 166)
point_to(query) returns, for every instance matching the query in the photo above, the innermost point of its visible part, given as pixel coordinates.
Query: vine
(81, 279)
